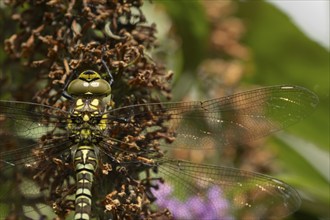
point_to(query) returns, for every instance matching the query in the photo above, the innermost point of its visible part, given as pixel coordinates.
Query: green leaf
(191, 26)
(304, 174)
(282, 54)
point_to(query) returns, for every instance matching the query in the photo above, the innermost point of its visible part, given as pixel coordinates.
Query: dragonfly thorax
(87, 119)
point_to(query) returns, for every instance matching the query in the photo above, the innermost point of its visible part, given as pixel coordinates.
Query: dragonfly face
(100, 162)
(90, 83)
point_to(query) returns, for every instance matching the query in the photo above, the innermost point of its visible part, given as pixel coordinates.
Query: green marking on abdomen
(85, 163)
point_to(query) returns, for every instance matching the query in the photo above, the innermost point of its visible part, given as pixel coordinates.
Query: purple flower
(213, 206)
(196, 205)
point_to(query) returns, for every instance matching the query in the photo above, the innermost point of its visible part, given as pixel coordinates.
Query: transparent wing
(234, 119)
(27, 119)
(22, 125)
(194, 191)
(23, 130)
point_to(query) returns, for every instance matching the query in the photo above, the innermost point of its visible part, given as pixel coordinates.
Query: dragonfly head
(90, 83)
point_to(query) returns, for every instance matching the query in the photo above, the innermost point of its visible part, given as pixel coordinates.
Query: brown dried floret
(55, 41)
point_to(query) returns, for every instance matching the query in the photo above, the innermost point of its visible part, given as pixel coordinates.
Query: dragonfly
(92, 160)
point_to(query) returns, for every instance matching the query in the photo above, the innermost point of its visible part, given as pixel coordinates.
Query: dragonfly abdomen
(85, 162)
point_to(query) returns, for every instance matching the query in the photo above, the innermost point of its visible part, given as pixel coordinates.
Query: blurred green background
(216, 48)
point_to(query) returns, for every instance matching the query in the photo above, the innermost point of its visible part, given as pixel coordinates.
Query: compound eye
(100, 87)
(95, 84)
(80, 87)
